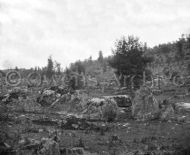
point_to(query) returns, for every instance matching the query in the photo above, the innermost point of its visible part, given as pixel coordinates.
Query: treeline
(171, 58)
(89, 64)
(130, 57)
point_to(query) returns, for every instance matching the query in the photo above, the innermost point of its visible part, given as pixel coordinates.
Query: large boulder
(101, 109)
(74, 122)
(50, 95)
(124, 102)
(47, 97)
(145, 106)
(93, 108)
(78, 122)
(182, 106)
(121, 100)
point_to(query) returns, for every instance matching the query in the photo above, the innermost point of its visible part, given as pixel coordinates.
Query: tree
(128, 57)
(183, 47)
(58, 67)
(101, 58)
(180, 48)
(50, 70)
(90, 60)
(16, 68)
(78, 67)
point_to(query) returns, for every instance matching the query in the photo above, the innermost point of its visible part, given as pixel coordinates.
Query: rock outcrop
(145, 106)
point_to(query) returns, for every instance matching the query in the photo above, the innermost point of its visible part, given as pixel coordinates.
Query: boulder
(145, 106)
(47, 97)
(101, 109)
(54, 94)
(182, 106)
(92, 109)
(72, 122)
(121, 100)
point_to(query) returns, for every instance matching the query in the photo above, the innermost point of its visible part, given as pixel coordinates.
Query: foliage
(128, 57)
(50, 68)
(169, 58)
(100, 58)
(57, 67)
(77, 67)
(182, 46)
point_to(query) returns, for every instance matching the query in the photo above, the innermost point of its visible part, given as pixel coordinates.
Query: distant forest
(132, 57)
(129, 57)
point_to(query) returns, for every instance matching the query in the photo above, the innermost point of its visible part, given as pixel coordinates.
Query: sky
(69, 30)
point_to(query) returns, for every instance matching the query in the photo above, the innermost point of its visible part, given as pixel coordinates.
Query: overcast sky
(31, 30)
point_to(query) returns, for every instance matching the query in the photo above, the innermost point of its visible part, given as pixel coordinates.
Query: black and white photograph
(94, 77)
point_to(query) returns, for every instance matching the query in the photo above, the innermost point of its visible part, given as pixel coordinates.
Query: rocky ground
(32, 125)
